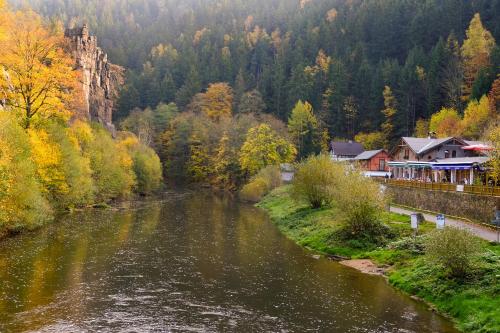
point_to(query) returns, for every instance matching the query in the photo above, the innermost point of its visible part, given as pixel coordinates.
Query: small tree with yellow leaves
(263, 147)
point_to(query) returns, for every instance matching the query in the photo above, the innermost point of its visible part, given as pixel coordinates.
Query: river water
(192, 262)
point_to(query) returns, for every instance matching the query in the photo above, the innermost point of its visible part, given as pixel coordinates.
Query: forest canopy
(336, 55)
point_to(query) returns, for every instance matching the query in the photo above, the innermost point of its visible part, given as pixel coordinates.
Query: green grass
(474, 303)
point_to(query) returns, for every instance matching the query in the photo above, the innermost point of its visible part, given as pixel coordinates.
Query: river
(191, 262)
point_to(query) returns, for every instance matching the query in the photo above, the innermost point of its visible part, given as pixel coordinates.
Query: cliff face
(101, 79)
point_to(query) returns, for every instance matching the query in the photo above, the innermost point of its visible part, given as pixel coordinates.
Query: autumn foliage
(47, 162)
(38, 76)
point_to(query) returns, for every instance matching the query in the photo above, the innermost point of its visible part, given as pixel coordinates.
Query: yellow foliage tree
(48, 159)
(493, 137)
(225, 164)
(446, 123)
(263, 147)
(2, 19)
(371, 141)
(37, 73)
(422, 128)
(218, 101)
(21, 201)
(111, 163)
(477, 116)
(476, 52)
(199, 160)
(304, 130)
(146, 164)
(75, 165)
(389, 113)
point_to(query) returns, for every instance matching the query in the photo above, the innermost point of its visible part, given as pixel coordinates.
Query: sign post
(415, 221)
(496, 222)
(440, 221)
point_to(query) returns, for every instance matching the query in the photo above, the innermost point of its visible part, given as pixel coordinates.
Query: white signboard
(440, 221)
(460, 188)
(414, 221)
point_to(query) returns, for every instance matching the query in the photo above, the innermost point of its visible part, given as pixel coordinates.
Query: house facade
(375, 163)
(436, 160)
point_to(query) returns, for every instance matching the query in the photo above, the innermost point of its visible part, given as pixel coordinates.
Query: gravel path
(476, 229)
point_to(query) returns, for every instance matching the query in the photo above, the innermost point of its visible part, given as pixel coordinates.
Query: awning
(478, 147)
(452, 167)
(419, 165)
(411, 164)
(377, 174)
(455, 163)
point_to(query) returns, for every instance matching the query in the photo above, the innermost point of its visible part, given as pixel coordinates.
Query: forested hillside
(338, 55)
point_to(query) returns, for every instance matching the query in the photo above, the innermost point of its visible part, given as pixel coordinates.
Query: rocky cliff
(101, 79)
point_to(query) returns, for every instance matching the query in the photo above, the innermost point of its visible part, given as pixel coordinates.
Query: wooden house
(436, 160)
(374, 162)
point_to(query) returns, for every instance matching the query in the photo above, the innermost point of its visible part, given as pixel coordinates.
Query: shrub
(254, 191)
(147, 169)
(315, 180)
(454, 249)
(111, 165)
(146, 164)
(362, 201)
(261, 184)
(22, 204)
(413, 244)
(60, 162)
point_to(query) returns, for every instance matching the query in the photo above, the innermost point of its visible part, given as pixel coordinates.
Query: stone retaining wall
(470, 206)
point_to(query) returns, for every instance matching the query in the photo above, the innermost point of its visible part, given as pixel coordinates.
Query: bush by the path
(261, 184)
(316, 179)
(454, 250)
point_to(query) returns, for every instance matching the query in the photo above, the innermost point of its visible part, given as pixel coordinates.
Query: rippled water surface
(193, 262)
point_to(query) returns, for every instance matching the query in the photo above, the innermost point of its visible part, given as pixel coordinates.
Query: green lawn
(474, 303)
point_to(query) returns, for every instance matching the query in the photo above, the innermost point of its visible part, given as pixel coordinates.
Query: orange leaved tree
(36, 75)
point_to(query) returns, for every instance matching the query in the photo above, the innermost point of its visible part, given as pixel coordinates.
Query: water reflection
(193, 262)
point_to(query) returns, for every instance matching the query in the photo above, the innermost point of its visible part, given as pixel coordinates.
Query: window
(407, 154)
(454, 153)
(381, 164)
(446, 154)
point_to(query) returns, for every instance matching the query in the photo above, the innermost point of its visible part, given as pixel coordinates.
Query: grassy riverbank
(474, 303)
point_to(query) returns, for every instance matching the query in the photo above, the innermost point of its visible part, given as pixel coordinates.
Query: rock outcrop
(101, 79)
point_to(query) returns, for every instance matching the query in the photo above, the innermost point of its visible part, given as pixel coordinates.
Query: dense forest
(338, 55)
(203, 75)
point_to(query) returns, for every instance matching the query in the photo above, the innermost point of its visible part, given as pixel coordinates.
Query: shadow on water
(192, 262)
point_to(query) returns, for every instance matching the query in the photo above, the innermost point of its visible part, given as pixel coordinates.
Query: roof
(474, 143)
(423, 145)
(350, 148)
(366, 155)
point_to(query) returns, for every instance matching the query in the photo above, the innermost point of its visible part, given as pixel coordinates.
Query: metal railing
(447, 187)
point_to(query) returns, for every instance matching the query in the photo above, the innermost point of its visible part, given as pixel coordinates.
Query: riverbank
(473, 304)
